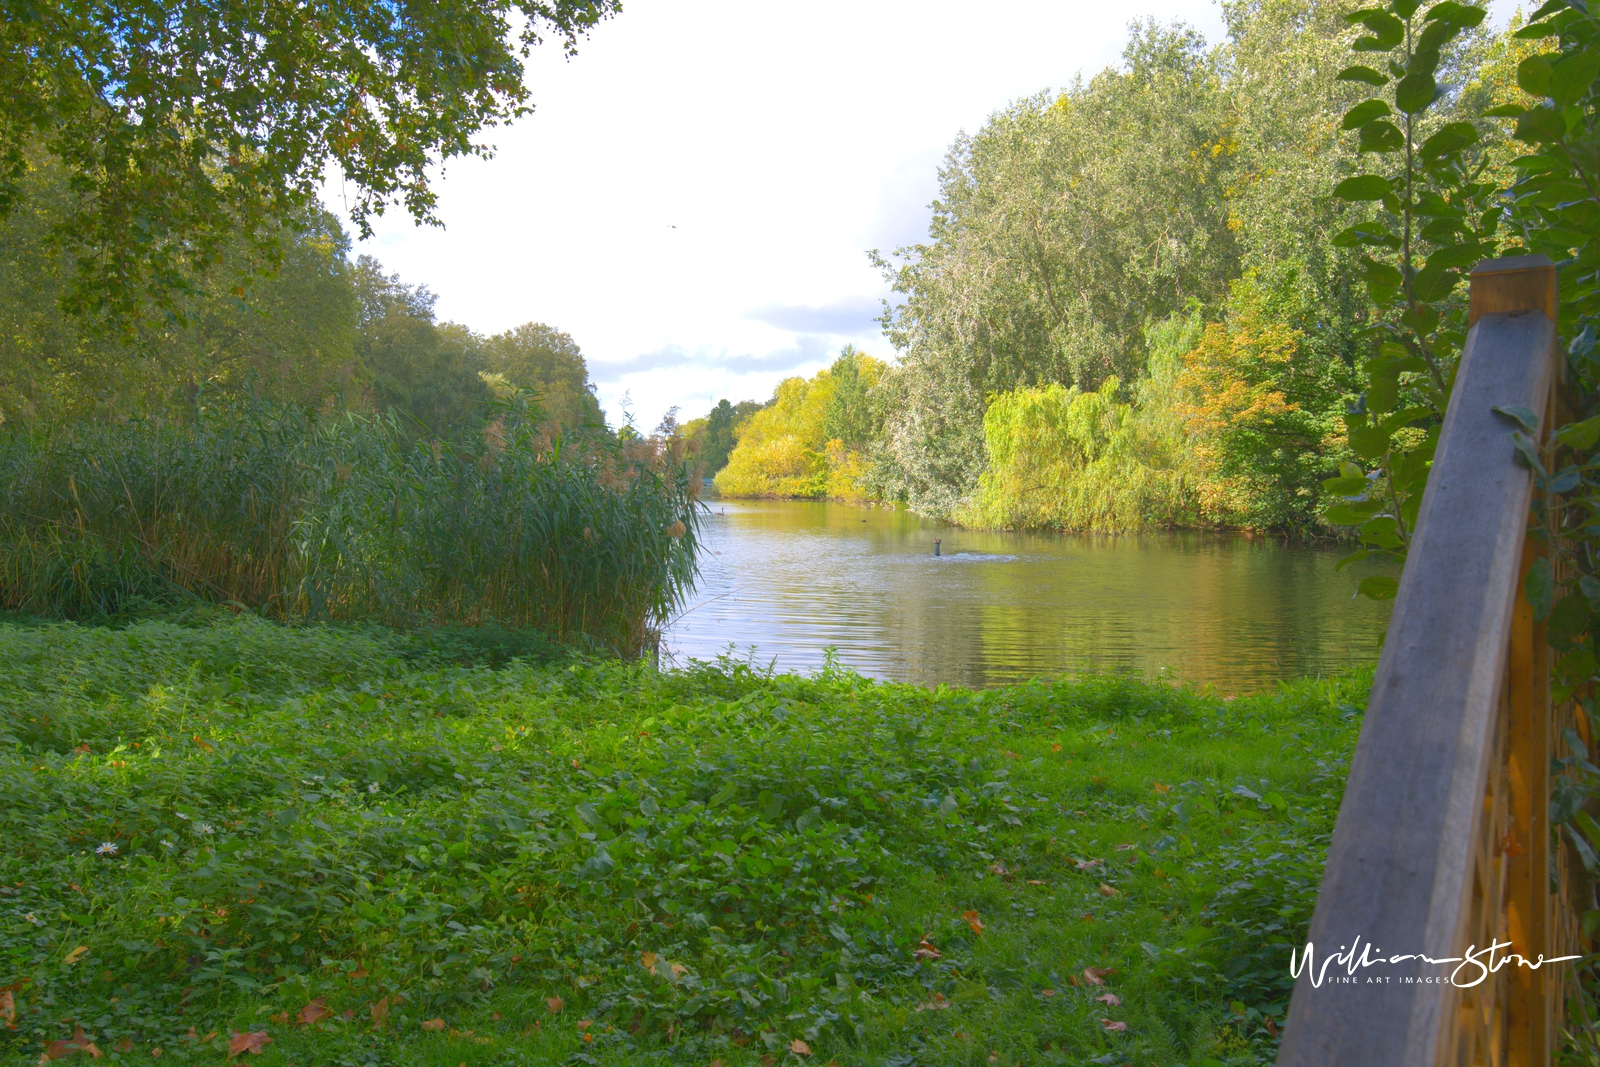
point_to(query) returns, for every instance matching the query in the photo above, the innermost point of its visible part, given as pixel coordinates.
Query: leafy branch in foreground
(184, 123)
(1436, 213)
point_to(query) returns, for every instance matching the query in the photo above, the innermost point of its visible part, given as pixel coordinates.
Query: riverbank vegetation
(338, 844)
(588, 537)
(1140, 303)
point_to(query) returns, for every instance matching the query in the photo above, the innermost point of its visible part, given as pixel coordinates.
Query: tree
(545, 361)
(186, 124)
(426, 372)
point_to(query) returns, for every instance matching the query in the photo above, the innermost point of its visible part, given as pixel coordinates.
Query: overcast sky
(695, 194)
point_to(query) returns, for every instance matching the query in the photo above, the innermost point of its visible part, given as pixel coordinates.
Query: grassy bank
(589, 536)
(319, 836)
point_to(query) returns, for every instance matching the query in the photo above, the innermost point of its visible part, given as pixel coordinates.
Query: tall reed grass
(590, 537)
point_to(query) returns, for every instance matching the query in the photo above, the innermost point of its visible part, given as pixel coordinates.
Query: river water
(781, 581)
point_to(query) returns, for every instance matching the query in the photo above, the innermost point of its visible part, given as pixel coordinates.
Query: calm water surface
(791, 578)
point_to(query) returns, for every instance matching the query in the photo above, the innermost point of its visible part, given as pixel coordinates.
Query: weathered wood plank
(1401, 866)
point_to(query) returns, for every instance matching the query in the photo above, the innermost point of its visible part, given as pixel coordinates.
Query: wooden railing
(1443, 844)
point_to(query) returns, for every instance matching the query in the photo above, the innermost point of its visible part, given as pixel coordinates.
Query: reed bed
(589, 536)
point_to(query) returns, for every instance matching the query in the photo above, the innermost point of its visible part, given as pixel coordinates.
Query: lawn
(335, 846)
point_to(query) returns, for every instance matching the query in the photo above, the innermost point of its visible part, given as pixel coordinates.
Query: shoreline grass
(596, 862)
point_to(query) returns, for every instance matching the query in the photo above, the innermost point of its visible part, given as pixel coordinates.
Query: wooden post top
(1512, 283)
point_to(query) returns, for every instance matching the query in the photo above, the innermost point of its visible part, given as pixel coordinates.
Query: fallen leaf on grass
(1096, 975)
(349, 1015)
(83, 749)
(554, 1003)
(939, 1002)
(799, 1048)
(1009, 754)
(495, 1016)
(156, 1053)
(313, 1011)
(1037, 881)
(1272, 1027)
(584, 1024)
(380, 1012)
(1114, 1027)
(60, 1050)
(433, 1024)
(1159, 788)
(648, 960)
(1088, 916)
(125, 1045)
(1055, 747)
(251, 1043)
(999, 869)
(973, 921)
(768, 1061)
(1111, 999)
(925, 951)
(1108, 891)
(1084, 865)
(75, 955)
(8, 1010)
(282, 1018)
(1125, 848)
(1047, 992)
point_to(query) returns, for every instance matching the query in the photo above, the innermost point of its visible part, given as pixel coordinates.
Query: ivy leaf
(1359, 73)
(1364, 113)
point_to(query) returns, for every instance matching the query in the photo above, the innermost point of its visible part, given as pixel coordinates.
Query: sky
(694, 197)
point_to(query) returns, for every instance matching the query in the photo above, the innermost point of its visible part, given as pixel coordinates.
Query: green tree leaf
(1573, 76)
(1381, 136)
(1415, 92)
(1359, 73)
(1538, 588)
(1533, 74)
(1364, 113)
(1378, 587)
(1452, 137)
(1363, 187)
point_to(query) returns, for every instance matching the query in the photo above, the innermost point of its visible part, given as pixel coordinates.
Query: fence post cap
(1512, 283)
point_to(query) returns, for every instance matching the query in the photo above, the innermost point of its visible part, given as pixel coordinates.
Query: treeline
(296, 434)
(292, 320)
(1138, 304)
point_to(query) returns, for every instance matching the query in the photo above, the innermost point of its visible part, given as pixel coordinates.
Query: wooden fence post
(1442, 842)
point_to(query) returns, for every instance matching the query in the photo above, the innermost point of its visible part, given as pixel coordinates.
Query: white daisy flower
(372, 787)
(107, 848)
(202, 828)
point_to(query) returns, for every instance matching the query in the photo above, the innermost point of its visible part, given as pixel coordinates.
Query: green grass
(321, 814)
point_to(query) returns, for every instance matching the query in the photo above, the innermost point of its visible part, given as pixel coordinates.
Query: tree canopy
(183, 124)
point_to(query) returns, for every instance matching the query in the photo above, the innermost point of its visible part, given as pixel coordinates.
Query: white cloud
(695, 193)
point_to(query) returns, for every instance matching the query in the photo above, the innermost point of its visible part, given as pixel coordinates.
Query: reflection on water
(793, 578)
